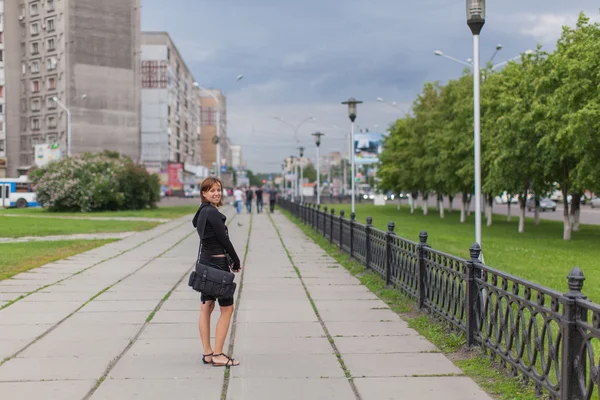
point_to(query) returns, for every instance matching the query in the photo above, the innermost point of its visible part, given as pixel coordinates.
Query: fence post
(331, 225)
(368, 241)
(573, 365)
(342, 213)
(388, 252)
(325, 214)
(318, 216)
(422, 270)
(352, 219)
(471, 308)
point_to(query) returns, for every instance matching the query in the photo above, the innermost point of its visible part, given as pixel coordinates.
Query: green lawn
(170, 212)
(21, 257)
(539, 255)
(14, 227)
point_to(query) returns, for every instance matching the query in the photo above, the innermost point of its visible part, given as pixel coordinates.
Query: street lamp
(295, 128)
(475, 21)
(352, 103)
(498, 48)
(392, 104)
(301, 174)
(317, 136)
(69, 138)
(440, 53)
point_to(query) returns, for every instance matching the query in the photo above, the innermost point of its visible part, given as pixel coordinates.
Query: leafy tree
(310, 173)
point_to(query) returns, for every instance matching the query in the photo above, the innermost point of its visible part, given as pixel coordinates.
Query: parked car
(595, 202)
(545, 204)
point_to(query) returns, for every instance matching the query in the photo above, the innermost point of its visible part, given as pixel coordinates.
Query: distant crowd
(251, 194)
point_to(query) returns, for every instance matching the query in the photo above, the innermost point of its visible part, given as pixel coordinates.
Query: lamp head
(476, 15)
(317, 136)
(438, 53)
(352, 102)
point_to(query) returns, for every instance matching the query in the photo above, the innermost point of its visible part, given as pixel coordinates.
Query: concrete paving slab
(278, 329)
(350, 305)
(18, 332)
(293, 303)
(120, 305)
(63, 390)
(169, 366)
(42, 307)
(383, 344)
(125, 317)
(9, 347)
(169, 316)
(37, 369)
(76, 330)
(287, 366)
(396, 328)
(45, 297)
(399, 364)
(160, 389)
(12, 318)
(181, 330)
(302, 314)
(137, 295)
(358, 316)
(289, 389)
(268, 345)
(183, 305)
(165, 347)
(65, 347)
(422, 388)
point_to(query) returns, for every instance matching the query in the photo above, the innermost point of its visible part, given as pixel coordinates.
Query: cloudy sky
(302, 58)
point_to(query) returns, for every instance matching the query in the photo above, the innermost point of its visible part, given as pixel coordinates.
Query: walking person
(237, 199)
(259, 200)
(249, 196)
(272, 199)
(215, 246)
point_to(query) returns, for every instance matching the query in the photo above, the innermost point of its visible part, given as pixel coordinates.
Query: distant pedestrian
(259, 200)
(215, 246)
(237, 199)
(249, 196)
(272, 199)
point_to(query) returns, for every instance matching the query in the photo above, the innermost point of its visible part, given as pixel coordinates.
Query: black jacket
(214, 228)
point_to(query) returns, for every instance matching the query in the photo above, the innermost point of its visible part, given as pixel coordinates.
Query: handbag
(210, 280)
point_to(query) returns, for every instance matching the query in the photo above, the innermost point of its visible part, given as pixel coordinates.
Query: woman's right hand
(237, 267)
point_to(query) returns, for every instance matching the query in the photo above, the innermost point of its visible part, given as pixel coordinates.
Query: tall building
(84, 52)
(237, 162)
(209, 108)
(170, 108)
(2, 97)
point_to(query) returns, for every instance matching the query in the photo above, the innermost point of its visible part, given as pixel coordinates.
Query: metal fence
(550, 338)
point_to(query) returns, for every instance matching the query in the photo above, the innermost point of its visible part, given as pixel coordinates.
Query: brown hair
(207, 184)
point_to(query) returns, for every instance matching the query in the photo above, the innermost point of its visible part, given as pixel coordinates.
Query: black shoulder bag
(209, 280)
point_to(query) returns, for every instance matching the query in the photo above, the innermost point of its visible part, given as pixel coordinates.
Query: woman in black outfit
(215, 244)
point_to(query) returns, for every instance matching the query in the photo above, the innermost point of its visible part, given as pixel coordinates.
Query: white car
(595, 202)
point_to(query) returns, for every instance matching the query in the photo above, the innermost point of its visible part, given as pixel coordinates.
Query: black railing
(551, 339)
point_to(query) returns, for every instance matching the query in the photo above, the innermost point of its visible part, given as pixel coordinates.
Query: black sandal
(207, 355)
(230, 361)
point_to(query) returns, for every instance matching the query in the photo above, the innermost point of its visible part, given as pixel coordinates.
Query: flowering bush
(94, 182)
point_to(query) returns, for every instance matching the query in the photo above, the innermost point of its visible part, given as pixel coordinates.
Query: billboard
(175, 176)
(367, 147)
(45, 153)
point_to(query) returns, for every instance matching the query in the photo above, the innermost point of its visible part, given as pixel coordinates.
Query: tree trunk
(450, 201)
(508, 216)
(566, 219)
(522, 205)
(537, 212)
(463, 208)
(469, 204)
(440, 201)
(575, 212)
(424, 203)
(489, 209)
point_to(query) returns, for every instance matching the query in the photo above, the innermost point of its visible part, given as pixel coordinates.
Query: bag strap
(202, 218)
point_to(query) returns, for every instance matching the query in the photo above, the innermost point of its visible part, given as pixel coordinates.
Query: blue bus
(17, 192)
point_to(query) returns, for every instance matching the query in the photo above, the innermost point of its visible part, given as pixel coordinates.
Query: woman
(215, 244)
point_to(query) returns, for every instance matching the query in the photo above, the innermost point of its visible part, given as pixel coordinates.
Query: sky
(301, 59)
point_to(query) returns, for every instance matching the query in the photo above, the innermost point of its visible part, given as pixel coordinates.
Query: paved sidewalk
(77, 236)
(127, 327)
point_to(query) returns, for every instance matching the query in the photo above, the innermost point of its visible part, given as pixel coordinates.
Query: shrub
(94, 182)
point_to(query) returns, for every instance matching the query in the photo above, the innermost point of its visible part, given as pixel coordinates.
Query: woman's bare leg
(221, 334)
(206, 310)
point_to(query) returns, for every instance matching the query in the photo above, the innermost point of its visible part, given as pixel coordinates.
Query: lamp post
(352, 102)
(317, 136)
(301, 174)
(475, 21)
(69, 138)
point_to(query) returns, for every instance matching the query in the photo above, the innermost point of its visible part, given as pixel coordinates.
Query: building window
(50, 25)
(24, 68)
(50, 5)
(1, 113)
(50, 103)
(35, 66)
(51, 122)
(34, 8)
(2, 148)
(35, 85)
(208, 116)
(51, 64)
(1, 37)
(36, 105)
(51, 83)
(51, 45)
(1, 92)
(35, 124)
(35, 48)
(35, 28)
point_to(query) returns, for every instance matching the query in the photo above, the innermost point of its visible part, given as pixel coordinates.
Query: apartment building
(211, 102)
(170, 104)
(86, 54)
(237, 161)
(3, 163)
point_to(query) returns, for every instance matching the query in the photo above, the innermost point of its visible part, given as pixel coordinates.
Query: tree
(310, 173)
(569, 100)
